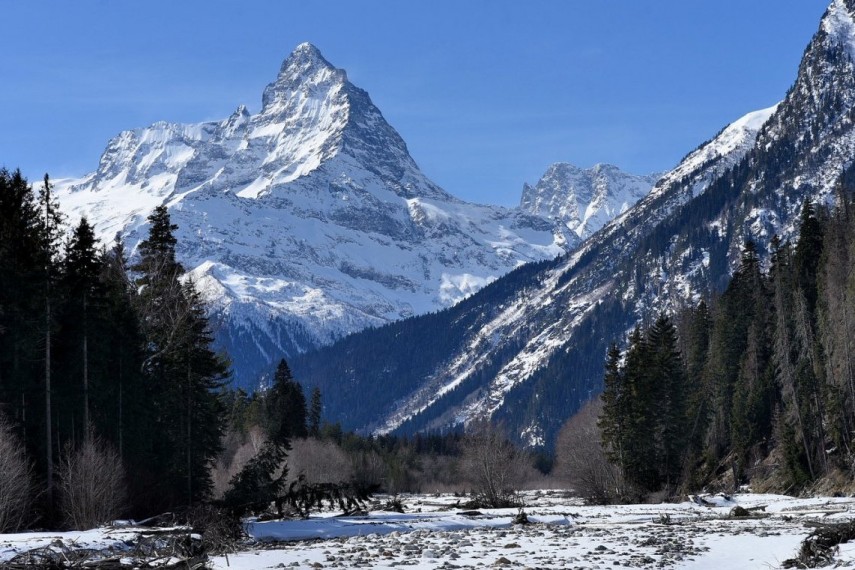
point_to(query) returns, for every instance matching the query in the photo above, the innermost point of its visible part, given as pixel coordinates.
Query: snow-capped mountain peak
(304, 74)
(308, 220)
(839, 25)
(585, 199)
(726, 149)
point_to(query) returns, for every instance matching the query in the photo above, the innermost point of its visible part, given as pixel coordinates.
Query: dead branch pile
(819, 548)
(176, 548)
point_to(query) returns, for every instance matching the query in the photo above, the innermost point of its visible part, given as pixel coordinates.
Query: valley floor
(563, 534)
(434, 534)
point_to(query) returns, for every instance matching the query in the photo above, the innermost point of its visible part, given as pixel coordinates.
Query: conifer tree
(22, 264)
(315, 410)
(184, 374)
(50, 235)
(612, 421)
(640, 441)
(697, 390)
(669, 402)
(286, 406)
(81, 289)
(807, 255)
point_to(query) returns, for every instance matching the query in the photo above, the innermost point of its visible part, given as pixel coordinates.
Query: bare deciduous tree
(493, 465)
(238, 449)
(16, 485)
(319, 461)
(581, 461)
(91, 484)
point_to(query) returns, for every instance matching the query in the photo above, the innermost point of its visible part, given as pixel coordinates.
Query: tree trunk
(87, 426)
(48, 426)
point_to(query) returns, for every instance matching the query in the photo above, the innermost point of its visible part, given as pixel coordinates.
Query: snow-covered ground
(435, 534)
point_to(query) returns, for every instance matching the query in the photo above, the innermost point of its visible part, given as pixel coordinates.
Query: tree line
(95, 350)
(756, 384)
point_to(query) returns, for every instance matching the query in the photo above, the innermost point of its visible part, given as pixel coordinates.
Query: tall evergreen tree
(808, 254)
(22, 262)
(315, 410)
(184, 375)
(82, 292)
(50, 237)
(669, 402)
(612, 421)
(286, 406)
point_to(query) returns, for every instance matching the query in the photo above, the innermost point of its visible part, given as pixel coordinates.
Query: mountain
(585, 199)
(528, 349)
(306, 221)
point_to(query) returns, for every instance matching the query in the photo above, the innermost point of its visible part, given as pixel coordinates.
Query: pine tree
(612, 421)
(697, 391)
(286, 406)
(184, 374)
(669, 402)
(50, 234)
(808, 254)
(641, 425)
(315, 410)
(732, 319)
(22, 262)
(82, 294)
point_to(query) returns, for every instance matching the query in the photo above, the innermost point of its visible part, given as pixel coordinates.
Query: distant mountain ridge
(585, 199)
(306, 221)
(528, 350)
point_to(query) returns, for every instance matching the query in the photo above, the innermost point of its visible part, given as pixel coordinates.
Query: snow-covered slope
(308, 220)
(529, 349)
(585, 199)
(506, 335)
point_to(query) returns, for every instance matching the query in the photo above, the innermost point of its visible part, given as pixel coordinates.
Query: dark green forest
(756, 384)
(92, 349)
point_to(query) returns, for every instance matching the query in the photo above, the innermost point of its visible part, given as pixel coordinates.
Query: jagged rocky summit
(306, 221)
(585, 199)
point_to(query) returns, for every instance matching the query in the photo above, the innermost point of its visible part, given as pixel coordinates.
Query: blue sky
(487, 93)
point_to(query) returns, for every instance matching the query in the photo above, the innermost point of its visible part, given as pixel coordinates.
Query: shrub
(319, 461)
(91, 484)
(494, 466)
(581, 461)
(16, 484)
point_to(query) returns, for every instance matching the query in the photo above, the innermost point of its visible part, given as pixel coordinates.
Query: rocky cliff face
(585, 199)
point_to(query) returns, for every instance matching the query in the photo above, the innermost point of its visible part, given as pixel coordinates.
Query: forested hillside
(758, 383)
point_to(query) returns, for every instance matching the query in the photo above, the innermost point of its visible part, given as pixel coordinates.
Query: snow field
(563, 534)
(435, 534)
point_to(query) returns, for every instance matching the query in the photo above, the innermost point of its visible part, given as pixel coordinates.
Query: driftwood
(185, 543)
(819, 548)
(160, 549)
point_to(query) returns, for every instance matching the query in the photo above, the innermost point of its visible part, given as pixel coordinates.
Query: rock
(502, 561)
(738, 511)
